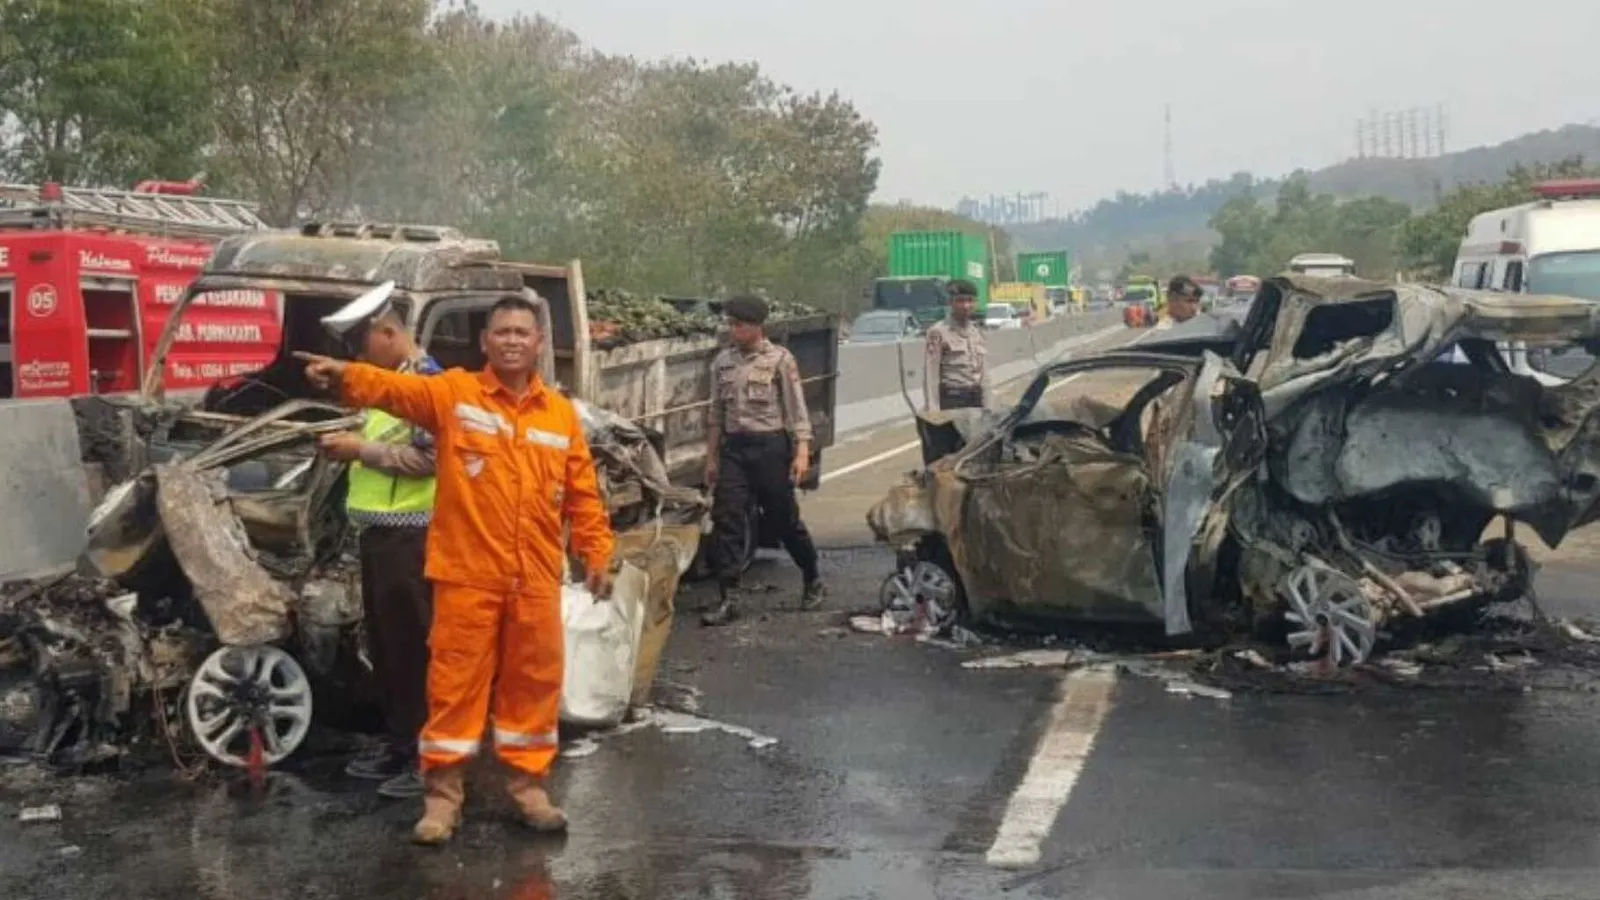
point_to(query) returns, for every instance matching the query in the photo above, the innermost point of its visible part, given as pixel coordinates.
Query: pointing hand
(324, 372)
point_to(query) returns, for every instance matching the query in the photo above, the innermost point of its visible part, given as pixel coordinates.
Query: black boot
(407, 785)
(382, 763)
(812, 595)
(725, 611)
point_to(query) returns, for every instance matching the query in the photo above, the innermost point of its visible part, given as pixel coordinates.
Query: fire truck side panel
(49, 359)
(82, 312)
(224, 333)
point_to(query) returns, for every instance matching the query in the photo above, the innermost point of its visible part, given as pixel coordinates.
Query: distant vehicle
(1323, 265)
(1142, 289)
(1549, 246)
(926, 298)
(883, 326)
(1240, 289)
(1001, 316)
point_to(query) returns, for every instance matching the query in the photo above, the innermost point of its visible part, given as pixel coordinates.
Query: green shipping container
(1050, 268)
(942, 254)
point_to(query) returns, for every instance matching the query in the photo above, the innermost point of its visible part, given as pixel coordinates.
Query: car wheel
(1328, 614)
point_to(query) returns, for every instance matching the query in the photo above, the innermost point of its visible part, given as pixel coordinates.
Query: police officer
(390, 498)
(758, 446)
(953, 365)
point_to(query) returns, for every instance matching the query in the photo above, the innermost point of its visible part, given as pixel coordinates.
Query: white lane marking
(869, 461)
(910, 445)
(1053, 772)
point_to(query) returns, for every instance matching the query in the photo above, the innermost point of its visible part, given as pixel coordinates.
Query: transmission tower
(1166, 151)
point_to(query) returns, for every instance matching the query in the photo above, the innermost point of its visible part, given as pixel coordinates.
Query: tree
(1256, 241)
(1242, 226)
(301, 88)
(103, 92)
(473, 140)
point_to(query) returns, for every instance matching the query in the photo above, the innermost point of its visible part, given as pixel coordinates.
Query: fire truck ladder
(170, 215)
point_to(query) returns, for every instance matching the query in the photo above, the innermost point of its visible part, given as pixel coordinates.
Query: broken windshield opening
(1331, 325)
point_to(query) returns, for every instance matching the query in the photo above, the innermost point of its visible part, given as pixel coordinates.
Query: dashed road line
(1058, 760)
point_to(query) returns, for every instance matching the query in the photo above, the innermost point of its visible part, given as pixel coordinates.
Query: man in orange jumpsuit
(512, 466)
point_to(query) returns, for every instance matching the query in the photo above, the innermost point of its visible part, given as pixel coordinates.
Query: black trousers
(960, 398)
(756, 466)
(398, 604)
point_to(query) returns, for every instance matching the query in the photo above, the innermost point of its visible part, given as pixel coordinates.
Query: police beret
(746, 309)
(963, 288)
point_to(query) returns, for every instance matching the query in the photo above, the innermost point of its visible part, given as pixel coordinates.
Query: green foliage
(100, 91)
(1256, 240)
(671, 178)
(299, 90)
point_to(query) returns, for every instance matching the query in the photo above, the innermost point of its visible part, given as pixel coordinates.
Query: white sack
(602, 643)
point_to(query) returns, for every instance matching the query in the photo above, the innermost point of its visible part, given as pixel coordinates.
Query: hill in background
(1172, 224)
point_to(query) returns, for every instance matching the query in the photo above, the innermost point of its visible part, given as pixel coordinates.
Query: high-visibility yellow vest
(377, 498)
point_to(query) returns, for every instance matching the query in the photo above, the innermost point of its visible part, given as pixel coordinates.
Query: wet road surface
(898, 774)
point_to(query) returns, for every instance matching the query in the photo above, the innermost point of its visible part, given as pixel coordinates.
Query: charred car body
(219, 584)
(1329, 467)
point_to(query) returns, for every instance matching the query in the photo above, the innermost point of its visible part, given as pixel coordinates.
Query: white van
(1549, 246)
(1323, 265)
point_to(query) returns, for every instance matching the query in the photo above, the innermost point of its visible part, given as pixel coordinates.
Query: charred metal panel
(244, 604)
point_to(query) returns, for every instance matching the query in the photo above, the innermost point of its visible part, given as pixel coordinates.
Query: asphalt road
(896, 773)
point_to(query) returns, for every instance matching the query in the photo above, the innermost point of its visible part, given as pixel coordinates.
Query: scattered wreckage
(1354, 456)
(218, 584)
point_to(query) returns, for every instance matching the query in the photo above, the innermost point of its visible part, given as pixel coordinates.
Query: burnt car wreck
(1353, 457)
(217, 601)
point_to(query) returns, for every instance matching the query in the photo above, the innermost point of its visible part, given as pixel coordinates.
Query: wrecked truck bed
(1325, 475)
(226, 592)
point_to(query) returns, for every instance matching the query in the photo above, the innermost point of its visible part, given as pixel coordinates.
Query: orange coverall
(509, 472)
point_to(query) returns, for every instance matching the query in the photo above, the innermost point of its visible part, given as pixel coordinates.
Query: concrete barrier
(870, 374)
(44, 492)
(868, 371)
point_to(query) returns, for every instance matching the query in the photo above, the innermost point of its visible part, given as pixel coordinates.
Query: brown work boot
(534, 804)
(444, 791)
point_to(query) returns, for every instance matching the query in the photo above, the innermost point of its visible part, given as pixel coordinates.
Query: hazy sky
(1000, 96)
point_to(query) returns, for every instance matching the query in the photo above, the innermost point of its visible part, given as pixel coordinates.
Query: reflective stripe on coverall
(509, 472)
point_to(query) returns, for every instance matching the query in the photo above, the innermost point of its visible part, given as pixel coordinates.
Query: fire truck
(88, 278)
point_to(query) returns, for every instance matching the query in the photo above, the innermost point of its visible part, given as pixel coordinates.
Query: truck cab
(927, 297)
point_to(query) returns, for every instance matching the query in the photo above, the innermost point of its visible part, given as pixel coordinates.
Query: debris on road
(682, 723)
(1027, 659)
(34, 814)
(1363, 483)
(1193, 689)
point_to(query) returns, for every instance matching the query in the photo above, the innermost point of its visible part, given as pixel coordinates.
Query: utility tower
(1166, 152)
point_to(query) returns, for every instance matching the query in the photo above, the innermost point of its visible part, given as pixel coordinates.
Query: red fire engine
(88, 278)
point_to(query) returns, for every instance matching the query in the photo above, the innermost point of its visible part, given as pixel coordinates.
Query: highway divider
(870, 374)
(44, 491)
